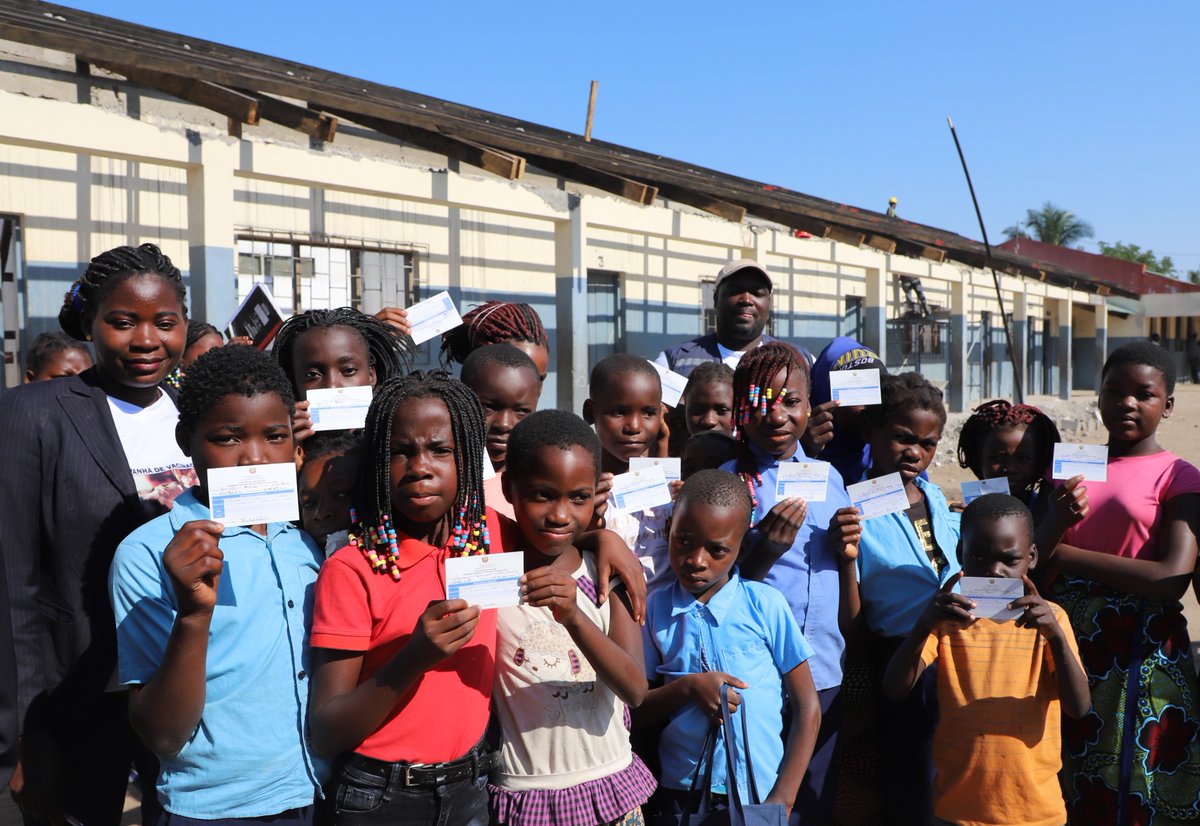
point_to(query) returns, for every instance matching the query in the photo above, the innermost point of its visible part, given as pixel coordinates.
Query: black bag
(739, 813)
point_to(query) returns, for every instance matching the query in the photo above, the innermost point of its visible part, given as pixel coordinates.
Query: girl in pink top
(1127, 560)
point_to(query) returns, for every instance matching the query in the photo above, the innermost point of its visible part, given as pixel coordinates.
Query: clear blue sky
(1092, 106)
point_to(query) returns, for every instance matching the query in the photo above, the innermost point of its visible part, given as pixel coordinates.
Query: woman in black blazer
(67, 498)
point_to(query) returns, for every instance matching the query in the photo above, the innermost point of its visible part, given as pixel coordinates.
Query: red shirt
(446, 713)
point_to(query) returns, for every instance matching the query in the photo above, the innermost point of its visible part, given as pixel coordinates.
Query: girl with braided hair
(402, 677)
(788, 543)
(81, 456)
(342, 347)
(1011, 440)
(499, 322)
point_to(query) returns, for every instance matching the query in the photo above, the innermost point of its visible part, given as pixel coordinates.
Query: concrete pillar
(1064, 348)
(212, 271)
(875, 312)
(1020, 344)
(570, 296)
(1101, 339)
(958, 346)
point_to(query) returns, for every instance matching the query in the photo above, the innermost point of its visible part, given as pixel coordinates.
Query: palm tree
(1051, 225)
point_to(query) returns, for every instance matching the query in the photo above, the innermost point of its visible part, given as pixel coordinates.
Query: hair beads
(375, 533)
(753, 395)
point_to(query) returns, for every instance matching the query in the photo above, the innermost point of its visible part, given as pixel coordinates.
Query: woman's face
(139, 330)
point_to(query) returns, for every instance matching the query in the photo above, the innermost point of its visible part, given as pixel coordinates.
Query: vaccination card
(672, 385)
(339, 408)
(879, 497)
(640, 490)
(671, 467)
(1090, 461)
(432, 317)
(992, 595)
(253, 494)
(855, 387)
(489, 580)
(805, 480)
(973, 490)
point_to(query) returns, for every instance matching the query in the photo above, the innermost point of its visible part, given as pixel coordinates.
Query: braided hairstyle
(752, 394)
(374, 531)
(1000, 414)
(197, 330)
(386, 349)
(106, 271)
(493, 323)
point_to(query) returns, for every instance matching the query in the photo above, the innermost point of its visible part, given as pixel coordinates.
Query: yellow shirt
(997, 745)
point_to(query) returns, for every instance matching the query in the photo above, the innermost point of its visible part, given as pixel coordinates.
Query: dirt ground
(1078, 422)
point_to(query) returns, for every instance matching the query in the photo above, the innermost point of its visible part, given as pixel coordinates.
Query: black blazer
(67, 499)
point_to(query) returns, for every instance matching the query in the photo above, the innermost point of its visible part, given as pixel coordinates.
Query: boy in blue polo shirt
(213, 621)
(711, 627)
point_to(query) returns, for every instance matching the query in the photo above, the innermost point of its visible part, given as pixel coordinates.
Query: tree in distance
(1134, 253)
(1051, 225)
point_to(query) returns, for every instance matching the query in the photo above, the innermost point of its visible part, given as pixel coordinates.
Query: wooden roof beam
(316, 124)
(625, 187)
(844, 235)
(239, 107)
(503, 164)
(722, 209)
(914, 250)
(881, 243)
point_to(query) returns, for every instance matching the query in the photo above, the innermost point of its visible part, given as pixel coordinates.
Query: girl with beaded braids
(81, 454)
(1011, 440)
(391, 654)
(320, 349)
(499, 322)
(788, 544)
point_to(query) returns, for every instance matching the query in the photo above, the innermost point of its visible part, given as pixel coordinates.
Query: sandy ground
(1179, 434)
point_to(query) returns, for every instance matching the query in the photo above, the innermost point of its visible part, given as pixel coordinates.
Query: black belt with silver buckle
(468, 767)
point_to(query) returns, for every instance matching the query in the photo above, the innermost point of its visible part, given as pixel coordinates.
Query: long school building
(334, 191)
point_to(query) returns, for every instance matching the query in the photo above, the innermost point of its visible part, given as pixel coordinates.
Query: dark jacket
(686, 357)
(67, 499)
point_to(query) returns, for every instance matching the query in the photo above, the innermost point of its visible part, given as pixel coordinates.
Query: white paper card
(973, 490)
(640, 490)
(489, 580)
(855, 387)
(878, 497)
(671, 467)
(339, 408)
(992, 596)
(1090, 461)
(672, 385)
(253, 494)
(806, 480)
(488, 471)
(432, 317)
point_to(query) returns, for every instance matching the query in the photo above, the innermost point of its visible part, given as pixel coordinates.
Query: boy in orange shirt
(1000, 684)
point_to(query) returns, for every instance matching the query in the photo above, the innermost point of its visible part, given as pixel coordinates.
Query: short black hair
(717, 441)
(229, 371)
(197, 330)
(904, 393)
(993, 506)
(609, 368)
(715, 372)
(1143, 353)
(332, 443)
(548, 428)
(718, 489)
(388, 352)
(48, 345)
(495, 355)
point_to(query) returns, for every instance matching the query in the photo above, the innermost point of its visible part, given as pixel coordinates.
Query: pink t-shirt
(1126, 511)
(493, 497)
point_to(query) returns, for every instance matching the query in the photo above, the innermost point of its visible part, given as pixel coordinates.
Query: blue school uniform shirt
(249, 755)
(896, 579)
(746, 629)
(807, 573)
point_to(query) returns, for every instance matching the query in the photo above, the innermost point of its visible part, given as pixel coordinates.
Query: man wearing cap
(742, 300)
